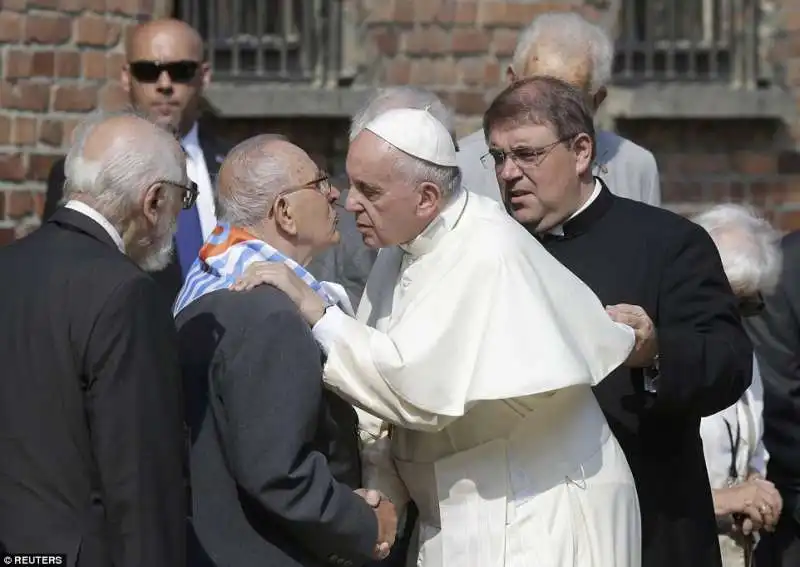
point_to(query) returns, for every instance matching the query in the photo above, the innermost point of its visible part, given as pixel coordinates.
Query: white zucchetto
(417, 133)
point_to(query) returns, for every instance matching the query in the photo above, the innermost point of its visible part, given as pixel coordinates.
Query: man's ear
(583, 146)
(205, 72)
(284, 216)
(599, 97)
(125, 78)
(152, 201)
(430, 199)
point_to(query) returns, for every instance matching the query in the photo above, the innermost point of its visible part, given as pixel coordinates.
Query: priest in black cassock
(656, 272)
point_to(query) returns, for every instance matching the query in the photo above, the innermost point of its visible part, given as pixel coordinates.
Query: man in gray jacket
(568, 47)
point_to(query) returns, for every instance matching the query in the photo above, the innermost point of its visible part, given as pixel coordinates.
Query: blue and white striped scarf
(225, 256)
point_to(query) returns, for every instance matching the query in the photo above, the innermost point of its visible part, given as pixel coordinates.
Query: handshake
(387, 520)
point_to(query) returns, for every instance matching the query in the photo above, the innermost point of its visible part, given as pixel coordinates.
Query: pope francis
(476, 352)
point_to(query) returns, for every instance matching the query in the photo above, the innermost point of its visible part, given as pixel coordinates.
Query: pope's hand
(646, 348)
(279, 275)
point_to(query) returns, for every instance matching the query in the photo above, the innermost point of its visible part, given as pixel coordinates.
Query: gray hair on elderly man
(748, 246)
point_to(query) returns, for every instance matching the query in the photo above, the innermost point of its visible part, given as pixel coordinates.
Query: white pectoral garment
(481, 349)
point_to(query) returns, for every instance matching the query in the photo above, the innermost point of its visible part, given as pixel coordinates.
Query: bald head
(566, 46)
(115, 158)
(254, 173)
(168, 37)
(165, 73)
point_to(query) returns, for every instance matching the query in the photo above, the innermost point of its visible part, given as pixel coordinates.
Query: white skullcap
(417, 133)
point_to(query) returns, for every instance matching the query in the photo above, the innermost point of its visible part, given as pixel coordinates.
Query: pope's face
(385, 205)
(538, 174)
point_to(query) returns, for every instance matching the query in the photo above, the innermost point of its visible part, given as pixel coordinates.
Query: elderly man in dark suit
(274, 460)
(656, 272)
(91, 434)
(164, 76)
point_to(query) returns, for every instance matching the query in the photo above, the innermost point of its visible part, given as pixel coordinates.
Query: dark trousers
(782, 548)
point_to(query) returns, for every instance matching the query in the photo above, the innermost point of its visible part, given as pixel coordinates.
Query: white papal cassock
(481, 350)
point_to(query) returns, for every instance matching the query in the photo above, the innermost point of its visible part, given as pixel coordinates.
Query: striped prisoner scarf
(225, 256)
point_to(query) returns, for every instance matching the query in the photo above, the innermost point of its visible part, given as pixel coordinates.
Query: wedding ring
(763, 508)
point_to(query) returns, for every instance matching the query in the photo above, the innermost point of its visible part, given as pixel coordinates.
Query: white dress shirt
(84, 209)
(197, 170)
(745, 416)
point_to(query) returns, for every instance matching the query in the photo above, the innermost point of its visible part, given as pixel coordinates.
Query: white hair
(748, 245)
(115, 180)
(392, 98)
(256, 177)
(573, 38)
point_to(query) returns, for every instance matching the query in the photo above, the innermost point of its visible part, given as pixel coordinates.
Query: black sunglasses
(150, 71)
(190, 192)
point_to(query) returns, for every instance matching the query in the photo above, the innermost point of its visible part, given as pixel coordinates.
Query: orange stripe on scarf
(235, 236)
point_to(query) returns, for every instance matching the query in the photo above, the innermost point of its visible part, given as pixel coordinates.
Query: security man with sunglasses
(164, 76)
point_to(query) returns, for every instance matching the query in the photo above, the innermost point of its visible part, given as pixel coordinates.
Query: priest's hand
(279, 275)
(645, 350)
(387, 520)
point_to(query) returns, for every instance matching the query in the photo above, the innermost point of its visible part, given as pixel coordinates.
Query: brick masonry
(61, 58)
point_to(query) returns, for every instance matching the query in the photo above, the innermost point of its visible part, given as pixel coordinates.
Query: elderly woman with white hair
(735, 455)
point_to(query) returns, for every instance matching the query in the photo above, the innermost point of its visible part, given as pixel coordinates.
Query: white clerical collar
(558, 230)
(84, 209)
(441, 225)
(191, 141)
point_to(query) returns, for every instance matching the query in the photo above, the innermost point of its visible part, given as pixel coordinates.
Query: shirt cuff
(328, 328)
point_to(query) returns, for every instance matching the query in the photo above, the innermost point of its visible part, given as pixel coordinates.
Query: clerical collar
(441, 225)
(595, 207)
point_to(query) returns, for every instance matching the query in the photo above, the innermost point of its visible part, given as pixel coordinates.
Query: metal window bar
(689, 40)
(269, 40)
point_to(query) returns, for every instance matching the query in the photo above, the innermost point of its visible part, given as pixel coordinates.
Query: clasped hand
(646, 347)
(756, 499)
(387, 521)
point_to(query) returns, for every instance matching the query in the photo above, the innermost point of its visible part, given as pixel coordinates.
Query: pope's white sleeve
(377, 464)
(358, 379)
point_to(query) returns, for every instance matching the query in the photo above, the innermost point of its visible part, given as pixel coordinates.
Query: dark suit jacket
(776, 336)
(91, 433)
(274, 458)
(169, 279)
(629, 252)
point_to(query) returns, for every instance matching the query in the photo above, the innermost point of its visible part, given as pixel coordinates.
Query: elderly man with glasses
(274, 462)
(92, 428)
(164, 77)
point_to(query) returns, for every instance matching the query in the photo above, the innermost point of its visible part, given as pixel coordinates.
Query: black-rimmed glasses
(189, 195)
(522, 156)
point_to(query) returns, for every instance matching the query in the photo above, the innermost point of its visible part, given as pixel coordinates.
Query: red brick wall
(60, 59)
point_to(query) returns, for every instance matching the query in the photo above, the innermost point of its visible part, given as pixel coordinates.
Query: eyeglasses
(524, 157)
(189, 195)
(322, 183)
(751, 305)
(150, 71)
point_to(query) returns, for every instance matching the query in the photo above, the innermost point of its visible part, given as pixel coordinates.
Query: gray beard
(160, 251)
